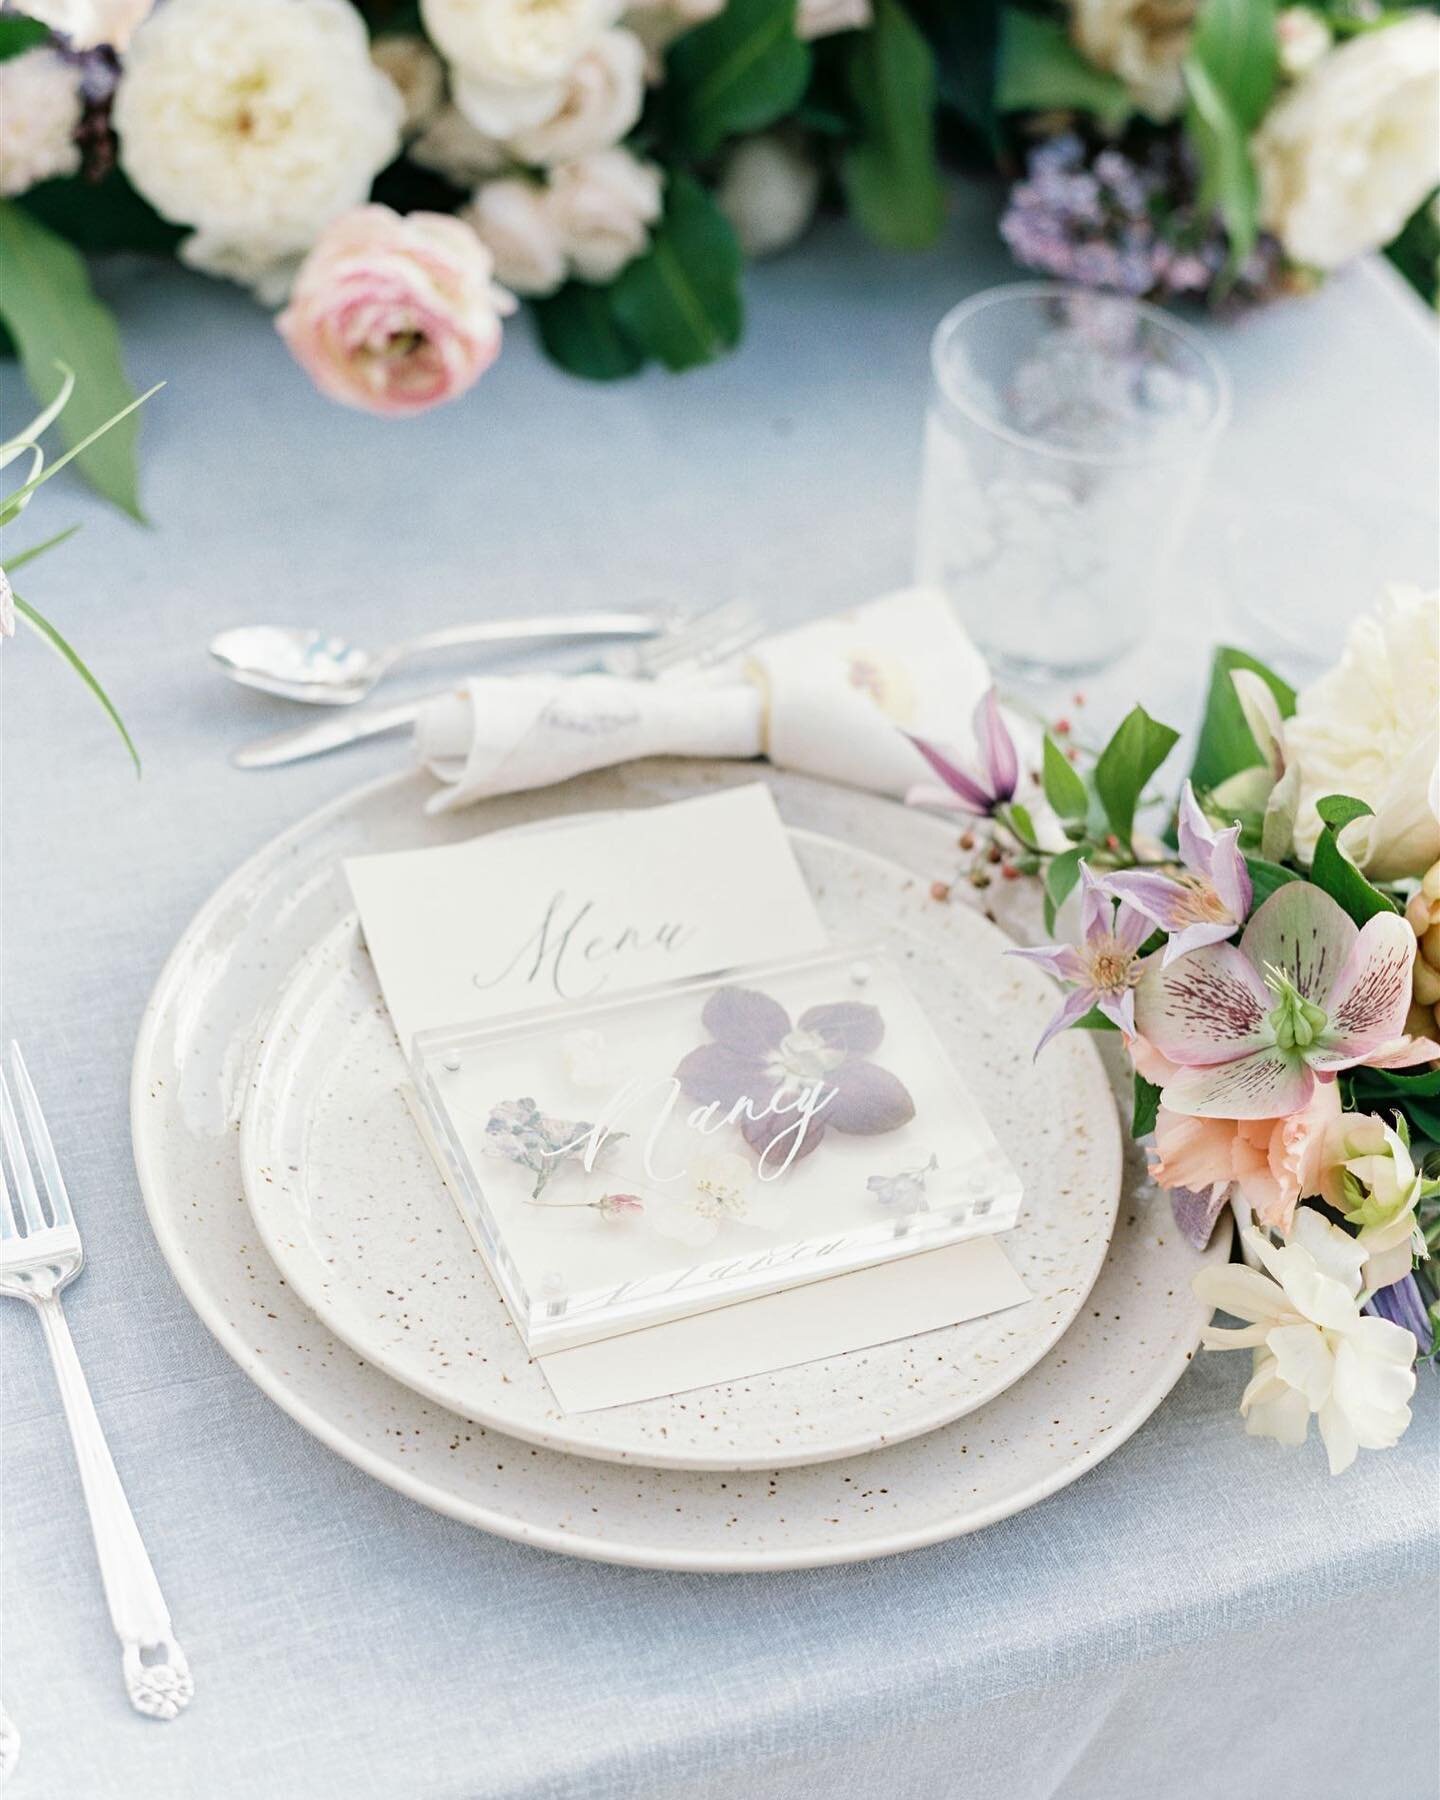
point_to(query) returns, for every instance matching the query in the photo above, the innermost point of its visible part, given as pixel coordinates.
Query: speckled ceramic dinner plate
(197, 1044)
(350, 1206)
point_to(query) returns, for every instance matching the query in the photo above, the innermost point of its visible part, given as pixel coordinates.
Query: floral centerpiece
(1272, 962)
(401, 172)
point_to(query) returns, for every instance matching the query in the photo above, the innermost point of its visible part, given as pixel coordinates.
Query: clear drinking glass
(1068, 435)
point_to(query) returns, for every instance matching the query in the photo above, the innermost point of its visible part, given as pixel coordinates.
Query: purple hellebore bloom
(978, 794)
(1206, 904)
(1304, 994)
(1403, 1304)
(759, 1057)
(1105, 965)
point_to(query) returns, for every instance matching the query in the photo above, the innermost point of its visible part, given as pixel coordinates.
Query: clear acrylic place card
(707, 1141)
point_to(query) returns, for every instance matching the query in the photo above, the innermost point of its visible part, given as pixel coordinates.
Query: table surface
(1174, 1623)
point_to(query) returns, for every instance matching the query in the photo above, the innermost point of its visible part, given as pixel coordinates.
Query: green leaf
(1340, 810)
(966, 43)
(680, 302)
(1265, 877)
(1225, 746)
(1064, 788)
(1228, 182)
(1147, 1105)
(579, 330)
(1332, 870)
(1235, 42)
(1060, 878)
(19, 35)
(1126, 763)
(890, 174)
(1022, 824)
(67, 653)
(1040, 70)
(739, 72)
(103, 215)
(47, 303)
(13, 502)
(21, 557)
(1094, 1020)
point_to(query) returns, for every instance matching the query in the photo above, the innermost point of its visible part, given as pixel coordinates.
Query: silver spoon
(323, 670)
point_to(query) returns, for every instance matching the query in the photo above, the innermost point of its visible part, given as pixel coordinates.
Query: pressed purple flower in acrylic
(1105, 966)
(785, 1085)
(979, 792)
(1207, 900)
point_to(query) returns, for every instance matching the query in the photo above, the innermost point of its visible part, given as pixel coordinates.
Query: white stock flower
(255, 121)
(1370, 728)
(452, 147)
(1352, 149)
(418, 74)
(768, 192)
(1315, 1352)
(602, 205)
(1301, 38)
(518, 43)
(40, 107)
(1370, 1178)
(821, 18)
(87, 23)
(512, 218)
(602, 98)
(1142, 41)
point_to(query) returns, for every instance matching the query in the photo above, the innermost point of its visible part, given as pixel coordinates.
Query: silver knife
(330, 733)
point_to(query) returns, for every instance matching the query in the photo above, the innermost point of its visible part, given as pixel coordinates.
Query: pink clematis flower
(1105, 965)
(1305, 994)
(1209, 901)
(978, 794)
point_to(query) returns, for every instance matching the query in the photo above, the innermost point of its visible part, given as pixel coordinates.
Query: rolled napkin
(833, 698)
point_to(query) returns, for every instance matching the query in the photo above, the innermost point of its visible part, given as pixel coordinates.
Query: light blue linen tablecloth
(1201, 1614)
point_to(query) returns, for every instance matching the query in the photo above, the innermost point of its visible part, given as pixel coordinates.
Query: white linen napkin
(832, 698)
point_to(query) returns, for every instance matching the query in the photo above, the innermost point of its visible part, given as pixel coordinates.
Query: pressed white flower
(454, 148)
(1370, 728)
(1348, 153)
(601, 100)
(40, 107)
(721, 1188)
(1142, 41)
(768, 192)
(86, 23)
(587, 1057)
(418, 74)
(1316, 1354)
(516, 42)
(602, 206)
(255, 121)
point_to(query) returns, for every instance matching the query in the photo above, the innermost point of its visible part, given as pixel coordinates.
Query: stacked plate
(291, 1196)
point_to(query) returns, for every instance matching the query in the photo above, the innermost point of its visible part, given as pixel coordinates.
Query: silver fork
(40, 1255)
(692, 649)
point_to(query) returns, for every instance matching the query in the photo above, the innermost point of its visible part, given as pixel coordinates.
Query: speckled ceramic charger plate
(197, 1043)
(353, 1212)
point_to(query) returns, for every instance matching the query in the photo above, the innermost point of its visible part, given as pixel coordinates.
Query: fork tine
(19, 1162)
(45, 1157)
(695, 636)
(7, 1208)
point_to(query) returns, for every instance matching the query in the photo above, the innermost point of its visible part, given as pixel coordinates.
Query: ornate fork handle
(162, 1686)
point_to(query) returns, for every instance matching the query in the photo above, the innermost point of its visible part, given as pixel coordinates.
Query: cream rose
(1370, 728)
(821, 18)
(87, 23)
(516, 43)
(498, 108)
(395, 315)
(512, 218)
(418, 74)
(602, 206)
(452, 147)
(1142, 41)
(1352, 149)
(40, 108)
(768, 192)
(262, 143)
(1302, 37)
(602, 98)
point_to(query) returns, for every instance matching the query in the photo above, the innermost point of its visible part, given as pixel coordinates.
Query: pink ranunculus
(395, 315)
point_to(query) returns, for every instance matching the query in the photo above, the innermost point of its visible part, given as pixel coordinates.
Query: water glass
(1067, 438)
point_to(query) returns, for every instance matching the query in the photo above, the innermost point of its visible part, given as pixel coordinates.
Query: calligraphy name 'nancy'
(565, 949)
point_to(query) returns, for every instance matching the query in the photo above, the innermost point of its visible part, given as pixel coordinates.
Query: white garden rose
(418, 74)
(603, 95)
(86, 23)
(1370, 728)
(255, 121)
(1302, 37)
(602, 206)
(512, 218)
(768, 192)
(40, 108)
(498, 108)
(264, 266)
(452, 147)
(822, 18)
(1352, 149)
(1142, 41)
(516, 43)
